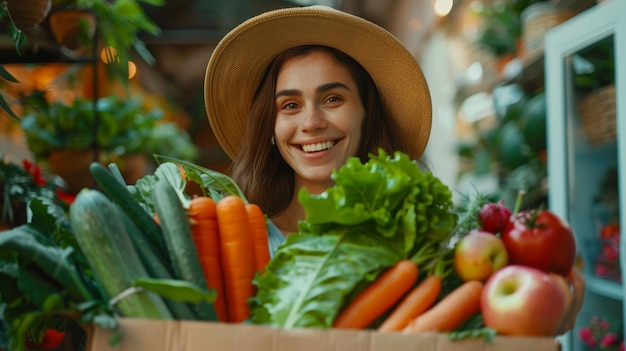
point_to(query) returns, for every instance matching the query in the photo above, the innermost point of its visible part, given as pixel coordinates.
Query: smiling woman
(307, 104)
(318, 124)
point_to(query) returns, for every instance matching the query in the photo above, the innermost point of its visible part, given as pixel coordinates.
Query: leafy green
(376, 214)
(179, 290)
(213, 183)
(45, 282)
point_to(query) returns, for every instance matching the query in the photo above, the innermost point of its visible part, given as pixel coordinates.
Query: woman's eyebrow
(322, 88)
(288, 92)
(330, 86)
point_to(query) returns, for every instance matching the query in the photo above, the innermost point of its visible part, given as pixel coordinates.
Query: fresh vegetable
(377, 213)
(202, 214)
(378, 297)
(237, 256)
(104, 239)
(214, 184)
(120, 195)
(451, 311)
(179, 241)
(52, 338)
(540, 239)
(156, 267)
(416, 302)
(45, 280)
(494, 217)
(258, 231)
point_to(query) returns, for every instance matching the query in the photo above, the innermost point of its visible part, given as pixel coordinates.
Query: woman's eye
(333, 99)
(290, 106)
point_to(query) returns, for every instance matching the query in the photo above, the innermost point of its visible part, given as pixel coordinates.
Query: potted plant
(119, 22)
(66, 137)
(19, 184)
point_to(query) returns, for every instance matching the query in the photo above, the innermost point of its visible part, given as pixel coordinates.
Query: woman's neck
(287, 221)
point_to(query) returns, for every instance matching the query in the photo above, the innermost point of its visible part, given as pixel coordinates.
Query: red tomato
(51, 339)
(542, 240)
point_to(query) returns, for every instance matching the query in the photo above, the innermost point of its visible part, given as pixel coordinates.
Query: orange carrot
(202, 214)
(416, 302)
(449, 313)
(378, 297)
(258, 230)
(237, 256)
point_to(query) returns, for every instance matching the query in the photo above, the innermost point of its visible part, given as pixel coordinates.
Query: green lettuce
(376, 214)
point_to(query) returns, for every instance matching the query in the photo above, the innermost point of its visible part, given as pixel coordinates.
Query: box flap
(138, 334)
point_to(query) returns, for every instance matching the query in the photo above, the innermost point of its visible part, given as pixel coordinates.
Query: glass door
(585, 169)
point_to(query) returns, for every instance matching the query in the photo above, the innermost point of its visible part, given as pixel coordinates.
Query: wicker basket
(597, 114)
(536, 20)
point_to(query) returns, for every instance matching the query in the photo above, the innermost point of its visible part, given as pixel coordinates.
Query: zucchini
(120, 195)
(156, 268)
(179, 241)
(100, 232)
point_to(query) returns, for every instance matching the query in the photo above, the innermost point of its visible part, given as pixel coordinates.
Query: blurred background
(137, 67)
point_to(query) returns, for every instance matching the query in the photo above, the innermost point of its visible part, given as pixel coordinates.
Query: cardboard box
(146, 335)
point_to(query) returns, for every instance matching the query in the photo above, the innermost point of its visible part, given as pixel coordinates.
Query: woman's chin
(315, 178)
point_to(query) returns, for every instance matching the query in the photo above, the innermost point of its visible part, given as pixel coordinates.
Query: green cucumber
(102, 236)
(123, 198)
(156, 268)
(179, 241)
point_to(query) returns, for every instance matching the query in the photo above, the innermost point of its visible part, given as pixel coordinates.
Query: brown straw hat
(239, 61)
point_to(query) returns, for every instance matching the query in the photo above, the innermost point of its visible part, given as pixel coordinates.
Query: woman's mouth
(318, 146)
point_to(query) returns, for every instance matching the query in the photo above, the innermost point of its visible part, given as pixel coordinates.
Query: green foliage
(19, 184)
(16, 34)
(513, 148)
(501, 26)
(500, 29)
(119, 25)
(19, 38)
(122, 127)
(376, 214)
(533, 118)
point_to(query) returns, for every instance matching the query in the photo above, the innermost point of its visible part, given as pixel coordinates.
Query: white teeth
(318, 147)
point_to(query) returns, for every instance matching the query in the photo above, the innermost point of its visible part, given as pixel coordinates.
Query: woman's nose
(313, 120)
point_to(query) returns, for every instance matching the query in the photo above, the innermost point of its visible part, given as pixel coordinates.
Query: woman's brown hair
(260, 171)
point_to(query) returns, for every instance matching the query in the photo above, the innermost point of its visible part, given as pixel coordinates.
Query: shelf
(530, 75)
(603, 287)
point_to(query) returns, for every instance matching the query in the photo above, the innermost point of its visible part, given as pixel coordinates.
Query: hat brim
(238, 62)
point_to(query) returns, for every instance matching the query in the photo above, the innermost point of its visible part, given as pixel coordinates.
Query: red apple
(478, 254)
(540, 239)
(521, 300)
(568, 295)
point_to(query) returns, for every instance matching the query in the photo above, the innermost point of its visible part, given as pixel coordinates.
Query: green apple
(478, 255)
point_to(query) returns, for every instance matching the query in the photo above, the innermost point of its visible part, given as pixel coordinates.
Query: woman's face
(318, 119)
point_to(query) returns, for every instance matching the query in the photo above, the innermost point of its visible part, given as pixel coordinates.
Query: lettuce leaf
(376, 214)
